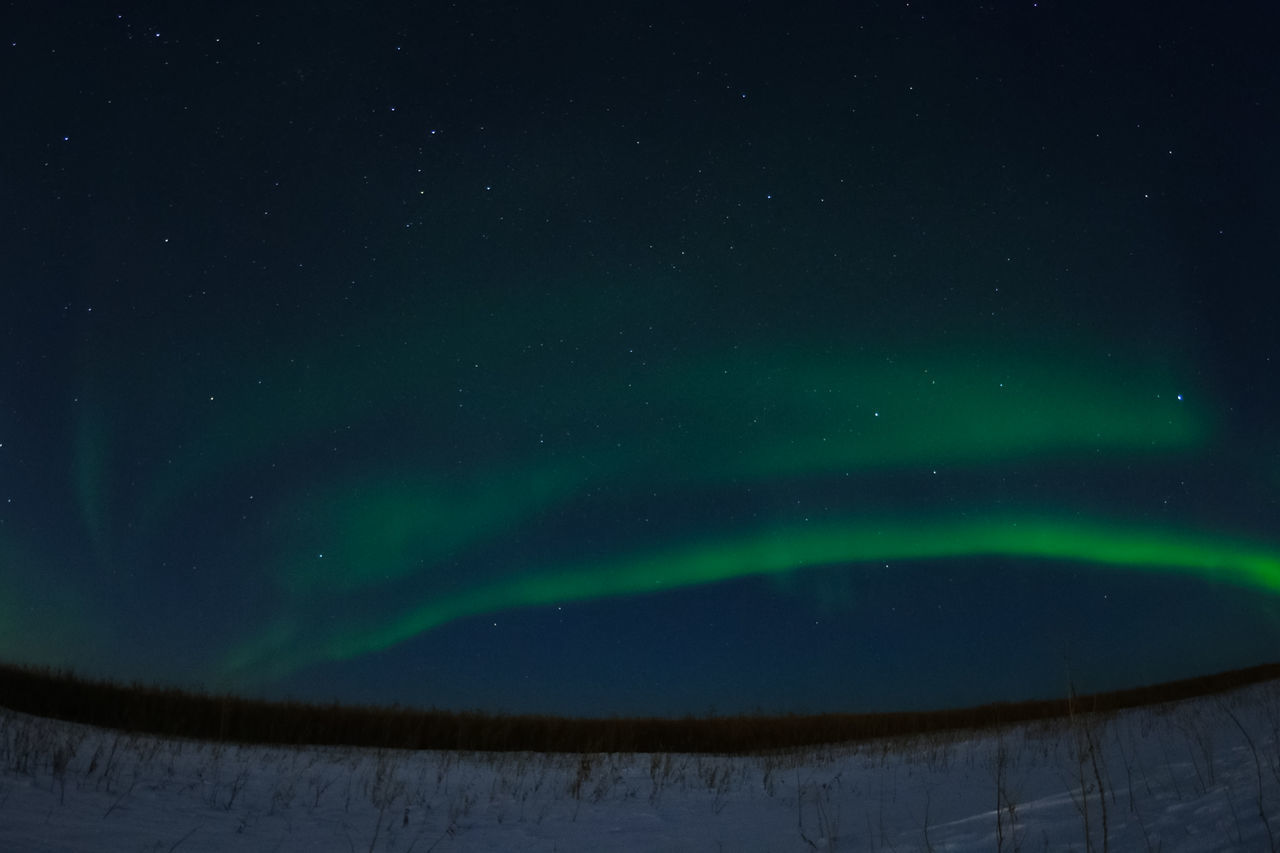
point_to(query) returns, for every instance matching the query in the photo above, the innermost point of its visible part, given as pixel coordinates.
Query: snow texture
(1201, 775)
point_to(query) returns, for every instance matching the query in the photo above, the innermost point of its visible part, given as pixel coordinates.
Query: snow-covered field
(1195, 776)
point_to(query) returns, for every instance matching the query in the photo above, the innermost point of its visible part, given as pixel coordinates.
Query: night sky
(625, 358)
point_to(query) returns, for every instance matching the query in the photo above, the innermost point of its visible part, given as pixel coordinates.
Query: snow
(1200, 775)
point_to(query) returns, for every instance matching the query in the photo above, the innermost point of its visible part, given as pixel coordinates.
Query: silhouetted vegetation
(227, 718)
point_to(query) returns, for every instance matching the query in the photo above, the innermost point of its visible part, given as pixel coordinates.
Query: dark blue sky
(645, 359)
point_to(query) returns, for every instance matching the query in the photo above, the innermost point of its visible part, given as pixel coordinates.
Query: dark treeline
(226, 718)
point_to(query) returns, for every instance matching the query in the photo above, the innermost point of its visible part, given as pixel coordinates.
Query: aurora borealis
(639, 362)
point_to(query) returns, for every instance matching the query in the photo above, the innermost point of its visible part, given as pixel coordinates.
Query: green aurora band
(788, 549)
(784, 408)
(516, 432)
(693, 420)
(385, 529)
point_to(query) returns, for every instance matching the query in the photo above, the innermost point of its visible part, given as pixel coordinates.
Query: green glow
(808, 415)
(792, 408)
(786, 549)
(822, 412)
(401, 452)
(388, 366)
(386, 527)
